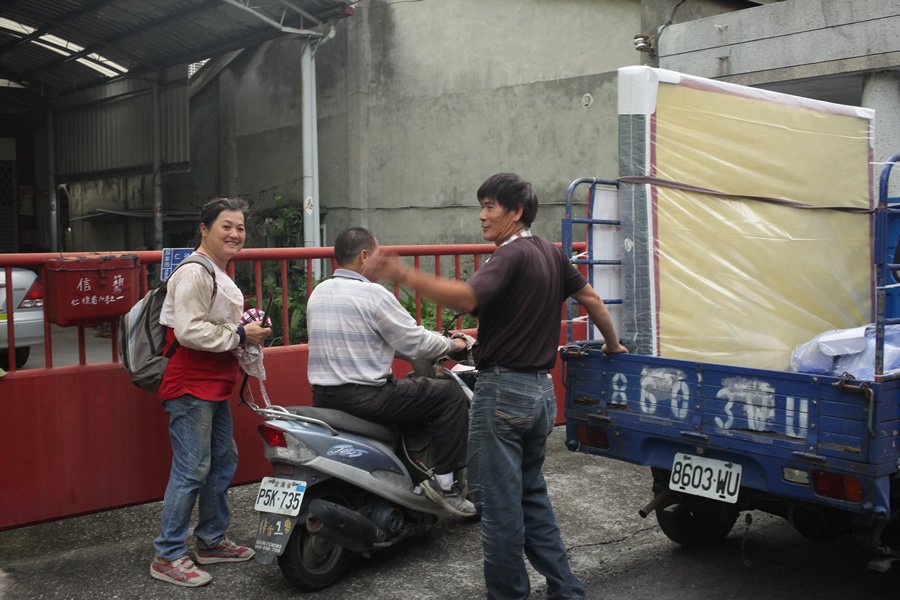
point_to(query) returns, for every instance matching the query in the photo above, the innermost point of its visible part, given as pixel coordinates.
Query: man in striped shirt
(355, 328)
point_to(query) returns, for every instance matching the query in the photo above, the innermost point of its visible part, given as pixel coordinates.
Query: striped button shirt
(355, 326)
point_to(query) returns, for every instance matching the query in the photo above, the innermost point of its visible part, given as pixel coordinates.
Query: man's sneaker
(181, 571)
(224, 551)
(452, 500)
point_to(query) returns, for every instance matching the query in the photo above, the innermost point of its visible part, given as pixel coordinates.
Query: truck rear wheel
(693, 528)
(822, 525)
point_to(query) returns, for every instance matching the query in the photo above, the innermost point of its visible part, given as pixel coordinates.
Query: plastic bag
(851, 351)
(809, 358)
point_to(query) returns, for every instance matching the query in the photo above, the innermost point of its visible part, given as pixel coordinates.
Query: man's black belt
(498, 369)
(337, 389)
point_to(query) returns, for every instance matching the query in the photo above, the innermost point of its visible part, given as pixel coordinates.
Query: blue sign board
(170, 259)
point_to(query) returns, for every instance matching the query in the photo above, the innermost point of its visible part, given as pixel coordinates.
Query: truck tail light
(592, 436)
(272, 436)
(840, 487)
(34, 298)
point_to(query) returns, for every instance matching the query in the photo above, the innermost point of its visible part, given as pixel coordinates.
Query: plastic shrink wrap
(776, 245)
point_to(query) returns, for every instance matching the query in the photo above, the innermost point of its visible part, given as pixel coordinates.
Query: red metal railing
(421, 255)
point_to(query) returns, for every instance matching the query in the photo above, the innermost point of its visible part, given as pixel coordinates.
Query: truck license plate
(280, 496)
(706, 477)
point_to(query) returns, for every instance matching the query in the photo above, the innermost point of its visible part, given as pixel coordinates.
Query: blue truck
(821, 451)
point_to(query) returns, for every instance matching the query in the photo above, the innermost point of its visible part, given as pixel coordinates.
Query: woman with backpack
(203, 316)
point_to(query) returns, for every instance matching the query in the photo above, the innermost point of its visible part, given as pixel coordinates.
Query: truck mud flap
(272, 536)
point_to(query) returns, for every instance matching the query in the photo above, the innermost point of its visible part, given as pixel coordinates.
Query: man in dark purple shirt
(517, 296)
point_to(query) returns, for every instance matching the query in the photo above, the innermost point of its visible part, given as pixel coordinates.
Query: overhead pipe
(317, 213)
(311, 237)
(291, 6)
(308, 119)
(265, 19)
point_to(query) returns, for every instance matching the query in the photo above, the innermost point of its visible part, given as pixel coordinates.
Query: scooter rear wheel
(311, 562)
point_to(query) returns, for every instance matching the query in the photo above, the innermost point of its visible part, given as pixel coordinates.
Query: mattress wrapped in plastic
(746, 219)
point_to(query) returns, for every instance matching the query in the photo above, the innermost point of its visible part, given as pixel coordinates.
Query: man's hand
(617, 348)
(462, 343)
(384, 265)
(467, 340)
(457, 295)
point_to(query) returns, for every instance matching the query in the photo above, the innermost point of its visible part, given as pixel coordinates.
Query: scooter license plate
(280, 496)
(272, 536)
(706, 477)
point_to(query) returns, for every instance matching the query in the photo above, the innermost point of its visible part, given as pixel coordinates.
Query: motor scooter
(342, 486)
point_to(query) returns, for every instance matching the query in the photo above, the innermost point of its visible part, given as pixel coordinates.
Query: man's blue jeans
(204, 459)
(511, 416)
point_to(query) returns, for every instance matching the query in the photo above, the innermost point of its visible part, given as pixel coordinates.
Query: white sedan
(28, 315)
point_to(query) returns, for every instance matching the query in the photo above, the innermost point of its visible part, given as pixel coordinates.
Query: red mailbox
(87, 290)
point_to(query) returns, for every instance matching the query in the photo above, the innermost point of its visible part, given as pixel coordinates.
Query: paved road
(618, 554)
(64, 341)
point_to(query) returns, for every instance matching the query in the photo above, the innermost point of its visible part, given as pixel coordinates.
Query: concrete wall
(424, 101)
(418, 102)
(245, 127)
(845, 52)
(786, 41)
(657, 15)
(124, 193)
(417, 105)
(108, 232)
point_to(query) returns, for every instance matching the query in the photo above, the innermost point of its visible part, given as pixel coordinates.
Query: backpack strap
(207, 264)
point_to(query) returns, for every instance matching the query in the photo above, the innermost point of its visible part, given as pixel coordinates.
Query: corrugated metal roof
(139, 35)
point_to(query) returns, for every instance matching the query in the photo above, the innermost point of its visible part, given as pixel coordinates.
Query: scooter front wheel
(311, 562)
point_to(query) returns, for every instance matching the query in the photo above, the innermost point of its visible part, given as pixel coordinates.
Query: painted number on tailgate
(659, 385)
(664, 392)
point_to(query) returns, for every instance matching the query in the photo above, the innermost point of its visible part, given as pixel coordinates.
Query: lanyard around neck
(522, 233)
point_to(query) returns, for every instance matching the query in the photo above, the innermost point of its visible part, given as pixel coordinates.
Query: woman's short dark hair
(350, 242)
(511, 192)
(211, 210)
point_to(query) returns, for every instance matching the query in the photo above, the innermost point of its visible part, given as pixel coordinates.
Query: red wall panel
(76, 440)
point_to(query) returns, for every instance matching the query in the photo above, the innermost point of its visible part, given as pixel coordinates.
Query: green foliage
(296, 299)
(271, 283)
(429, 313)
(284, 229)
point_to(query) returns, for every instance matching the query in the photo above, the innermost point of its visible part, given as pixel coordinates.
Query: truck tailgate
(644, 401)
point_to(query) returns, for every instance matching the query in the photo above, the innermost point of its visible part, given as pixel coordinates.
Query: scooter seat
(344, 421)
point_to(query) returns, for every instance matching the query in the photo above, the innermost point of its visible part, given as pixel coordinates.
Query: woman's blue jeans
(511, 416)
(204, 459)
